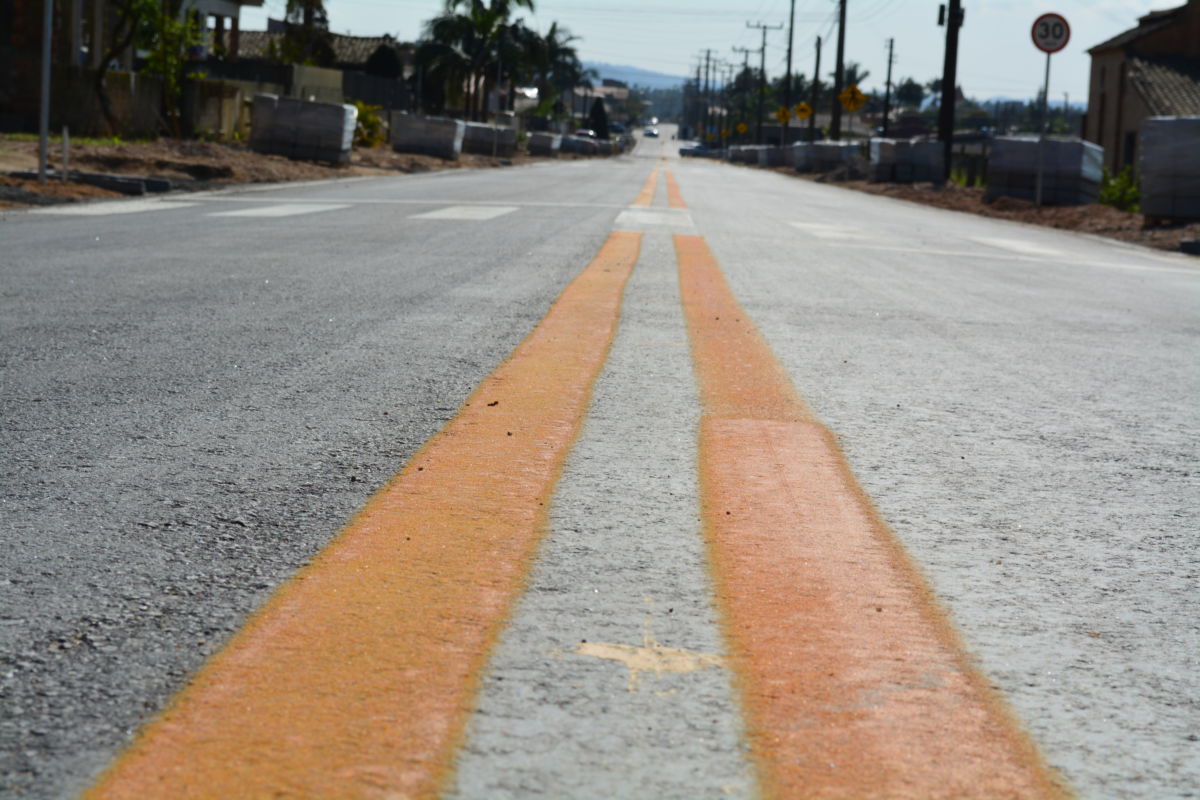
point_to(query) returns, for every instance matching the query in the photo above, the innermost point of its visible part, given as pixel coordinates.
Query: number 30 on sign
(1051, 33)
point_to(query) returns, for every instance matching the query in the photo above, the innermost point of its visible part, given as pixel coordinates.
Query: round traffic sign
(1051, 33)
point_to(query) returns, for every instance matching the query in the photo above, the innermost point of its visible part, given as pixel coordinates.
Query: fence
(216, 105)
(135, 102)
(391, 94)
(969, 163)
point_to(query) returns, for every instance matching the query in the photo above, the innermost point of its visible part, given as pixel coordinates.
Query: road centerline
(854, 683)
(610, 679)
(355, 678)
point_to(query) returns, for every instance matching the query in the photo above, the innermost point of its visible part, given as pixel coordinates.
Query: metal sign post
(1050, 34)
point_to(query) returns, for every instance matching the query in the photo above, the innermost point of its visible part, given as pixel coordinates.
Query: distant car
(650, 131)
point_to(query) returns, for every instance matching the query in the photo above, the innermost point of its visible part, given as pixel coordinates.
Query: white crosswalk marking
(1017, 246)
(822, 231)
(641, 219)
(288, 210)
(103, 209)
(476, 213)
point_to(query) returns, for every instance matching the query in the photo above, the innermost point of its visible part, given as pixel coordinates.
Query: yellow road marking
(674, 198)
(356, 678)
(646, 195)
(854, 683)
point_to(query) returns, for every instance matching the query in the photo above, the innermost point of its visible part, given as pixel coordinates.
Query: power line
(762, 72)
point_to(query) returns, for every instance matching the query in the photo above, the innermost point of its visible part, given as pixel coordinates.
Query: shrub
(370, 131)
(1120, 191)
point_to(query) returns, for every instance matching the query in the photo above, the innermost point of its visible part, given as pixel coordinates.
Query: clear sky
(996, 55)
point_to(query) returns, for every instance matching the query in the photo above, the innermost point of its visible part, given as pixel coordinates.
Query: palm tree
(444, 57)
(560, 69)
(465, 43)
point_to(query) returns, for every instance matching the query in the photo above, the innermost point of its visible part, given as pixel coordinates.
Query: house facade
(85, 34)
(1147, 71)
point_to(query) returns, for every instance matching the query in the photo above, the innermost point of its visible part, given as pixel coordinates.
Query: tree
(306, 38)
(598, 118)
(934, 85)
(466, 43)
(131, 18)
(169, 36)
(385, 62)
(853, 74)
(557, 68)
(910, 94)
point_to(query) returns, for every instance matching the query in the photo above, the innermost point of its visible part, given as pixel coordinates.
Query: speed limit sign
(1051, 33)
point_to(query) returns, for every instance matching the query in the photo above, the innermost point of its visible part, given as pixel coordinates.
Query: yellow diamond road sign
(783, 115)
(852, 98)
(742, 127)
(802, 111)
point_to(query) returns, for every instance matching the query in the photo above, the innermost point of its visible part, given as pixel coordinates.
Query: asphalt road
(198, 393)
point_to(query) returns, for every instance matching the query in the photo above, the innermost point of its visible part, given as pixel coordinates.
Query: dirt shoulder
(1093, 218)
(192, 165)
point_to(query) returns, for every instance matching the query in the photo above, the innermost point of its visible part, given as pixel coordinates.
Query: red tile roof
(1170, 87)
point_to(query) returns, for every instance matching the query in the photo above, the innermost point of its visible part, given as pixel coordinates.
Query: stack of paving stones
(928, 161)
(1071, 170)
(430, 136)
(831, 155)
(800, 156)
(301, 129)
(489, 140)
(544, 144)
(1169, 167)
(906, 161)
(771, 157)
(745, 153)
(891, 161)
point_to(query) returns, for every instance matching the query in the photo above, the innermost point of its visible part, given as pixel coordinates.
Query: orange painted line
(674, 198)
(356, 678)
(854, 683)
(646, 195)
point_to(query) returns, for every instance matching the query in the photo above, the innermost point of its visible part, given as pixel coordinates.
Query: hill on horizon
(635, 76)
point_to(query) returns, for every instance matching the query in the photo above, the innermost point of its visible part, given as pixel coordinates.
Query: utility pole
(839, 74)
(725, 100)
(698, 114)
(745, 51)
(815, 91)
(44, 111)
(953, 22)
(762, 72)
(707, 93)
(887, 94)
(787, 86)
